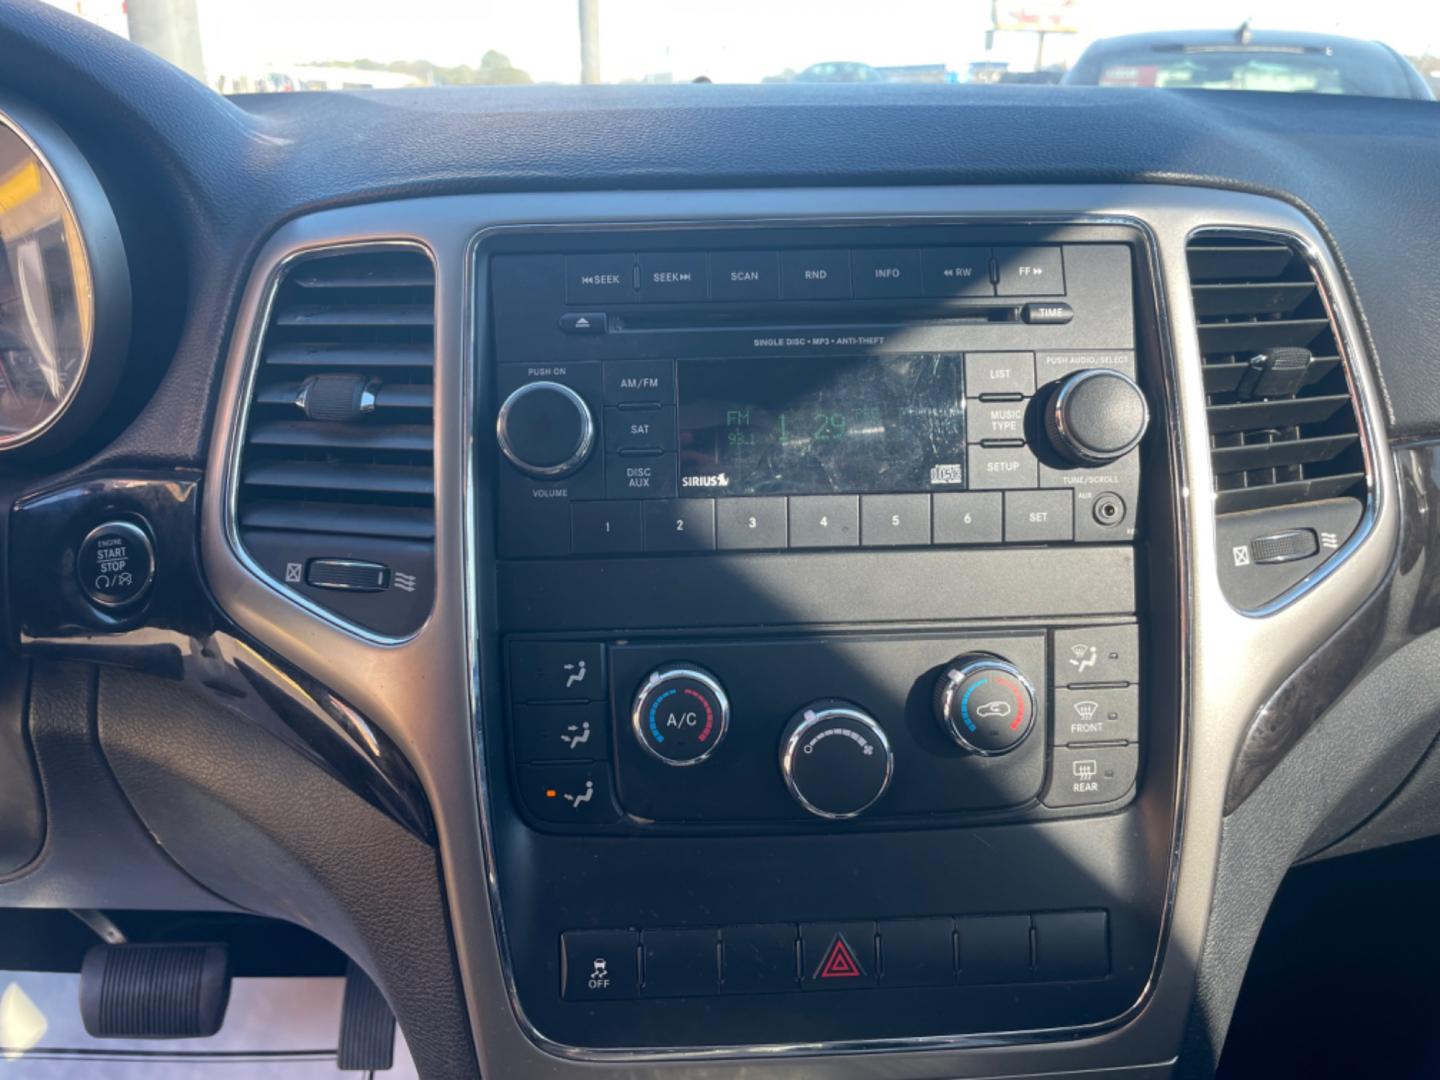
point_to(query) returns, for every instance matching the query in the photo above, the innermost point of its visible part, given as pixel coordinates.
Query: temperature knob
(1097, 416)
(836, 759)
(680, 715)
(545, 429)
(985, 704)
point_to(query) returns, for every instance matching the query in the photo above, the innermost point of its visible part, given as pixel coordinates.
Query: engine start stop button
(116, 564)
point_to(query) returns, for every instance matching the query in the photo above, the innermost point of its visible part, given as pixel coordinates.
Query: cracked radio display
(822, 425)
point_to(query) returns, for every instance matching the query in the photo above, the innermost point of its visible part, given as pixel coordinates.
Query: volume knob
(1097, 416)
(545, 430)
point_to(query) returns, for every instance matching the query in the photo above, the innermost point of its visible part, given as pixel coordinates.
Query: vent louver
(339, 437)
(1257, 300)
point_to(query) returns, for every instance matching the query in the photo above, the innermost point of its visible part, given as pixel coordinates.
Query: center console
(836, 644)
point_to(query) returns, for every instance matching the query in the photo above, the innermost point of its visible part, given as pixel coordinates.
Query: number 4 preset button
(825, 521)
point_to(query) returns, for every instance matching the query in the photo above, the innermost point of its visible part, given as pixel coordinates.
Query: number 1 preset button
(680, 525)
(751, 523)
(824, 521)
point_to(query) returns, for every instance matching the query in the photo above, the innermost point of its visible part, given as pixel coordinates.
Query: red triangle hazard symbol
(839, 962)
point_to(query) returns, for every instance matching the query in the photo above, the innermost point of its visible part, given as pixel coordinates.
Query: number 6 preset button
(824, 521)
(751, 523)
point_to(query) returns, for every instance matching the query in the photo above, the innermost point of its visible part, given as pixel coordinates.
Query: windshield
(1386, 48)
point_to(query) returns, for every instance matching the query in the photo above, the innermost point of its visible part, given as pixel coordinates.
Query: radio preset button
(640, 382)
(886, 272)
(957, 272)
(999, 373)
(640, 429)
(895, 520)
(751, 524)
(589, 278)
(680, 525)
(744, 275)
(995, 468)
(1033, 517)
(673, 276)
(640, 476)
(815, 275)
(1029, 271)
(599, 528)
(967, 517)
(824, 521)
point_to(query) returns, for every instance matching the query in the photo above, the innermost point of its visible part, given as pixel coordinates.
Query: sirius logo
(719, 480)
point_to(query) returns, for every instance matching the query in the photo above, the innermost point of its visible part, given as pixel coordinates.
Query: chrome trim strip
(255, 337)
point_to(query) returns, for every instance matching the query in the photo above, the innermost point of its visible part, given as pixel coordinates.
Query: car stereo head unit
(802, 389)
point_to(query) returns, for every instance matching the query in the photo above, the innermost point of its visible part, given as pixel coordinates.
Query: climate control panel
(633, 735)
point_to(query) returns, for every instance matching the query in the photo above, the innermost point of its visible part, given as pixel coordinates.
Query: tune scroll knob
(985, 704)
(680, 715)
(545, 430)
(836, 759)
(1097, 416)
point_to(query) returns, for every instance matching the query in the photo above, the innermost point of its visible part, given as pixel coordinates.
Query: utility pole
(590, 41)
(170, 29)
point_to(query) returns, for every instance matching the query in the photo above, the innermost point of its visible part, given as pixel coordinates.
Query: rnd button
(999, 373)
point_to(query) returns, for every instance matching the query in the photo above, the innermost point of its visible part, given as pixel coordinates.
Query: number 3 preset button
(824, 521)
(680, 525)
(750, 523)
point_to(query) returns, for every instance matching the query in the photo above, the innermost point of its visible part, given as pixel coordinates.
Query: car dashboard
(867, 581)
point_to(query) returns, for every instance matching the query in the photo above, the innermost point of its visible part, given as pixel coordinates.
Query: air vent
(338, 453)
(1283, 425)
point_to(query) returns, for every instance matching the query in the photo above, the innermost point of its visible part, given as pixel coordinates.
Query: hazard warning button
(838, 956)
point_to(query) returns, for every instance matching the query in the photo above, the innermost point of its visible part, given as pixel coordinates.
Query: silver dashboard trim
(417, 688)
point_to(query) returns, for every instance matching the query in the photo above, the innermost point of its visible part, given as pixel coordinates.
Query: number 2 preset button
(750, 523)
(824, 521)
(680, 525)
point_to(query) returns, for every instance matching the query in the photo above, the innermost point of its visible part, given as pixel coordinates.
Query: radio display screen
(821, 425)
